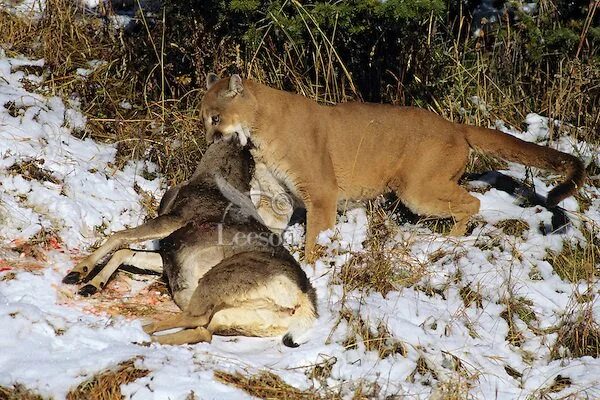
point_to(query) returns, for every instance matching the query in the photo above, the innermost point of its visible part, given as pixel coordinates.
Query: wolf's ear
(211, 79)
(235, 84)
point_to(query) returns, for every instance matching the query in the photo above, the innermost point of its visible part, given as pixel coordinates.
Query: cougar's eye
(215, 119)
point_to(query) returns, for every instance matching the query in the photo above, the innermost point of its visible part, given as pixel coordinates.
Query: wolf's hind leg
(146, 260)
(157, 228)
(191, 336)
(181, 320)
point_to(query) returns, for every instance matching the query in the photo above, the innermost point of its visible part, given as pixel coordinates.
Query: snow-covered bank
(77, 190)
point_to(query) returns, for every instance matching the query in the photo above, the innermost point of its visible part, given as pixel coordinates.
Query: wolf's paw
(72, 277)
(88, 290)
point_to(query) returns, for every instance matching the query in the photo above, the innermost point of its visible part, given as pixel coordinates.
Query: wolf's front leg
(143, 260)
(85, 266)
(157, 228)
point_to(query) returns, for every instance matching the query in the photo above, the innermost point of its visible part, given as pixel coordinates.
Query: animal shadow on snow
(524, 194)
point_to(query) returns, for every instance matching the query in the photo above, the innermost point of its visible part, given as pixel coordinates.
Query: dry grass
(107, 385)
(470, 296)
(315, 71)
(513, 227)
(379, 340)
(18, 392)
(518, 307)
(266, 385)
(558, 384)
(453, 390)
(500, 80)
(31, 170)
(422, 372)
(166, 131)
(578, 335)
(577, 262)
(481, 162)
(385, 265)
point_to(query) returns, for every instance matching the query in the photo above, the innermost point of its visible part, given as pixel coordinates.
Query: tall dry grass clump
(18, 392)
(107, 385)
(89, 59)
(266, 385)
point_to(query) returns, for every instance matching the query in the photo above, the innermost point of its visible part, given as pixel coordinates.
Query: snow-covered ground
(66, 194)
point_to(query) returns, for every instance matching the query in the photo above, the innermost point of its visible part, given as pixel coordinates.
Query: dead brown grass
(454, 390)
(578, 335)
(513, 227)
(448, 389)
(106, 385)
(577, 262)
(422, 372)
(166, 131)
(384, 266)
(470, 296)
(31, 170)
(18, 392)
(379, 340)
(329, 80)
(517, 308)
(569, 96)
(266, 385)
(558, 384)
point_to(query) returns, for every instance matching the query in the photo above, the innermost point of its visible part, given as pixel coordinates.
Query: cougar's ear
(235, 84)
(211, 79)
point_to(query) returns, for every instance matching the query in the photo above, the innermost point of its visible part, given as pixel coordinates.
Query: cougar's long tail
(514, 149)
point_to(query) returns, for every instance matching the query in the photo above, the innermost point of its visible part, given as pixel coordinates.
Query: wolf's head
(227, 109)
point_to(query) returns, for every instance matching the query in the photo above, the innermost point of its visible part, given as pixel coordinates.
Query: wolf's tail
(303, 319)
(514, 149)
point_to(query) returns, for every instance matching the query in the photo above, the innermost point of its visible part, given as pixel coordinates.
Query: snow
(51, 341)
(29, 8)
(90, 194)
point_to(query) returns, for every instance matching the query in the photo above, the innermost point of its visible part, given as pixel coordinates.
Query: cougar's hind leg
(157, 228)
(186, 336)
(444, 199)
(140, 259)
(435, 191)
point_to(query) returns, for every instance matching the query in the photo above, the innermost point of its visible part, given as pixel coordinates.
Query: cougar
(353, 151)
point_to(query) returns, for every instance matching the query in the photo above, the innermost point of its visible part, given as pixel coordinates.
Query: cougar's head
(227, 109)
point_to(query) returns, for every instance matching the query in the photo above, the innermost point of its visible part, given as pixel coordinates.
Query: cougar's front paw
(311, 256)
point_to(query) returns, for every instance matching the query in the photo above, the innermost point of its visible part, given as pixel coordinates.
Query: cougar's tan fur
(325, 154)
(224, 283)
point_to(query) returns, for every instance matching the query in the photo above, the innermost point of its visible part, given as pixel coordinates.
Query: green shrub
(408, 52)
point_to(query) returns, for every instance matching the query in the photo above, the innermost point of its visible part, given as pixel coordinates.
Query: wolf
(226, 270)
